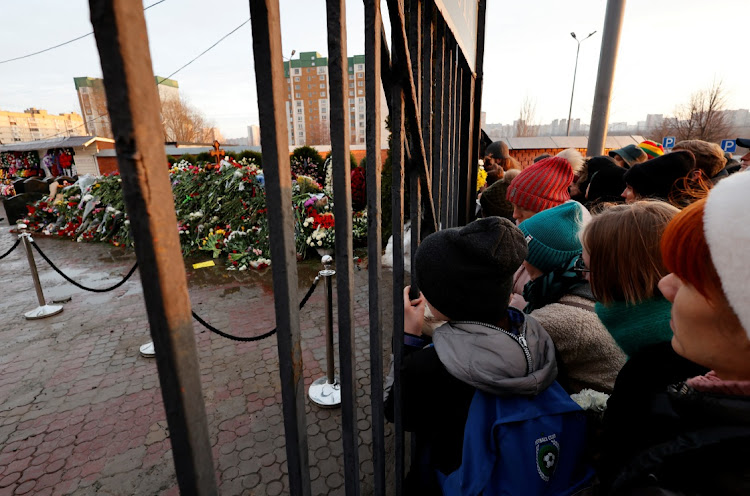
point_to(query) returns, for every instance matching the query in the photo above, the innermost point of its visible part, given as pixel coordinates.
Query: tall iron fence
(432, 76)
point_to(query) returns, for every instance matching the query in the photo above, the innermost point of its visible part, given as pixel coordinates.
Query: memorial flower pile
(220, 211)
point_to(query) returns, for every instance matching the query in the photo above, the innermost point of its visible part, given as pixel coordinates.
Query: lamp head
(573, 35)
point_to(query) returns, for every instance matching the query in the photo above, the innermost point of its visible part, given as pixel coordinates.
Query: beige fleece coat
(589, 356)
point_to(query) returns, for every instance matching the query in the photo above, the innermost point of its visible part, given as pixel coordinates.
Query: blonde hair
(575, 159)
(709, 157)
(623, 246)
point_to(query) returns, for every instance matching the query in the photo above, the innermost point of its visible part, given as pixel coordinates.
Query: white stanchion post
(326, 391)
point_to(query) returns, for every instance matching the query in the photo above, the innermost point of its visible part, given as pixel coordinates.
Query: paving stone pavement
(81, 411)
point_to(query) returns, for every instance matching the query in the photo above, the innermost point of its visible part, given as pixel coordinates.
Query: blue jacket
(522, 445)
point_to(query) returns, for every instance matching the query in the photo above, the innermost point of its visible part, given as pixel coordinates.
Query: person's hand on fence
(413, 313)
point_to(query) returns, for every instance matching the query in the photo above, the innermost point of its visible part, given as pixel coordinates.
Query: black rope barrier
(15, 245)
(74, 283)
(195, 315)
(261, 336)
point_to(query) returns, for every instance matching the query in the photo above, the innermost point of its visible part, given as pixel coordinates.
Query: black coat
(672, 440)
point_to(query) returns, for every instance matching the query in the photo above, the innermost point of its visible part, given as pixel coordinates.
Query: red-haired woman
(693, 436)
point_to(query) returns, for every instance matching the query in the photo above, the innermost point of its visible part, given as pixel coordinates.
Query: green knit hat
(553, 236)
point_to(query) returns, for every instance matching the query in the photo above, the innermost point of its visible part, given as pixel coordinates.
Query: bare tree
(184, 123)
(526, 125)
(703, 117)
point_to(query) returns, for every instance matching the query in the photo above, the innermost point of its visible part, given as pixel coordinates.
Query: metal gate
(433, 80)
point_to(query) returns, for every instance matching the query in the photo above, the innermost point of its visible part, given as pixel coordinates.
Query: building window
(300, 126)
(299, 110)
(360, 67)
(299, 104)
(322, 94)
(360, 83)
(361, 124)
(296, 80)
(322, 77)
(299, 117)
(296, 95)
(361, 100)
(351, 93)
(361, 108)
(322, 85)
(361, 116)
(309, 78)
(360, 92)
(360, 75)
(324, 117)
(296, 86)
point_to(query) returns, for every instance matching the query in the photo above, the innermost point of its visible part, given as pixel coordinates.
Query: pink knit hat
(542, 185)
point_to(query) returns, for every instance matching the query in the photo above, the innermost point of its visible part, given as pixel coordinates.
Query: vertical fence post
(338, 77)
(397, 211)
(476, 112)
(271, 84)
(447, 144)
(466, 194)
(133, 104)
(373, 27)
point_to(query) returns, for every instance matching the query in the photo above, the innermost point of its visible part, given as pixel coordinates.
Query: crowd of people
(589, 333)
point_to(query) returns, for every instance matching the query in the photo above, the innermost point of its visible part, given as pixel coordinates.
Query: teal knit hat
(553, 236)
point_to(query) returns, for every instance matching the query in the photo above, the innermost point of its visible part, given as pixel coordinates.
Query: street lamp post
(572, 92)
(291, 93)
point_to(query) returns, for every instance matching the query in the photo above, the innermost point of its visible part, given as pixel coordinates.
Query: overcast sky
(668, 49)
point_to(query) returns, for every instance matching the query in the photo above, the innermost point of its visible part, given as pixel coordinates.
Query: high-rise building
(308, 103)
(93, 100)
(253, 135)
(35, 124)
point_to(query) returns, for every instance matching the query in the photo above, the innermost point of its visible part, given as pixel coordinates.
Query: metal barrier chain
(71, 281)
(15, 245)
(264, 335)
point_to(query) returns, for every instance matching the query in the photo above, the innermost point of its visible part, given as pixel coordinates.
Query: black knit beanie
(467, 273)
(593, 165)
(494, 203)
(655, 178)
(606, 184)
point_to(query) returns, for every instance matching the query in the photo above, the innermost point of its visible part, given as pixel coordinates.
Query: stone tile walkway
(81, 411)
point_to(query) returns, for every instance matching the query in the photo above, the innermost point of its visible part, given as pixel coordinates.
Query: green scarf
(637, 326)
(552, 286)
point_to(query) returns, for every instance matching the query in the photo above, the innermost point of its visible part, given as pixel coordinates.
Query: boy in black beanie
(465, 275)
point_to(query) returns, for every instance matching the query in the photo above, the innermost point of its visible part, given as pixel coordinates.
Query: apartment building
(35, 124)
(308, 103)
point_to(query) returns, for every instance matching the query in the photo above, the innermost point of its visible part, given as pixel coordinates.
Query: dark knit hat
(498, 149)
(542, 185)
(606, 183)
(657, 177)
(553, 236)
(494, 203)
(631, 154)
(467, 273)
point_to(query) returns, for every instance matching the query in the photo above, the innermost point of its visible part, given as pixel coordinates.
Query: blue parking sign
(729, 145)
(668, 142)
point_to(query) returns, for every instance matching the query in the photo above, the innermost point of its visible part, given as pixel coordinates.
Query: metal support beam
(133, 104)
(477, 110)
(338, 74)
(271, 83)
(401, 50)
(606, 76)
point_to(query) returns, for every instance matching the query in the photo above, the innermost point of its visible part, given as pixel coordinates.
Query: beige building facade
(35, 124)
(308, 103)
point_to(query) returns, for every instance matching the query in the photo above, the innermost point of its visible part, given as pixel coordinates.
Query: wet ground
(81, 411)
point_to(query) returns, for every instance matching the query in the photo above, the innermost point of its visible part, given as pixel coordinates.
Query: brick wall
(526, 156)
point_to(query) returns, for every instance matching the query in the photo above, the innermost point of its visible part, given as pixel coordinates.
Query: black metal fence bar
(133, 104)
(447, 138)
(340, 138)
(456, 116)
(427, 56)
(271, 84)
(477, 103)
(373, 29)
(397, 211)
(465, 196)
(414, 34)
(438, 89)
